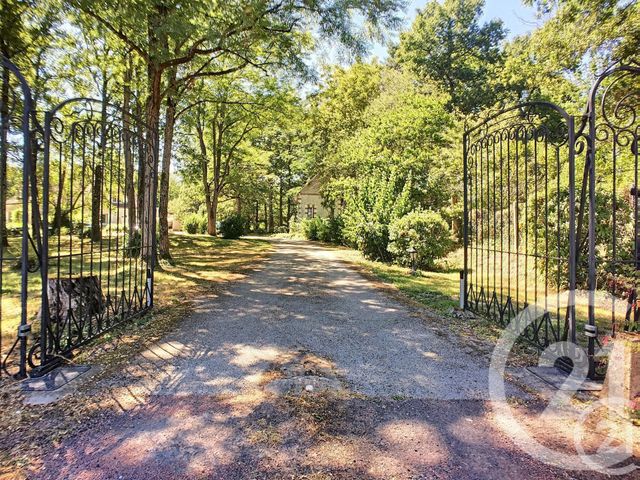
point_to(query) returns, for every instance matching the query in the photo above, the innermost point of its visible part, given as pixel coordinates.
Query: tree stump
(81, 296)
(622, 383)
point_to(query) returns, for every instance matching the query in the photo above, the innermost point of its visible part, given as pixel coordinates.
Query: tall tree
(28, 33)
(605, 30)
(447, 45)
(217, 41)
(236, 108)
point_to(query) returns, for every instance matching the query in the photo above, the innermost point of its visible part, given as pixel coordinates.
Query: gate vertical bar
(44, 265)
(465, 220)
(24, 257)
(572, 228)
(591, 154)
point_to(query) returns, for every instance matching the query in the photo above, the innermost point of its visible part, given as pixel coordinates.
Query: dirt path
(403, 400)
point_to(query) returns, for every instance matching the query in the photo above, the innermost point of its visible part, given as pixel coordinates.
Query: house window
(311, 211)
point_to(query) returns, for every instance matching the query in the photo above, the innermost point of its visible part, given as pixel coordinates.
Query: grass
(200, 263)
(438, 289)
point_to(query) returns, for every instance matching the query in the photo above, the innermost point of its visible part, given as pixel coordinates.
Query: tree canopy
(236, 121)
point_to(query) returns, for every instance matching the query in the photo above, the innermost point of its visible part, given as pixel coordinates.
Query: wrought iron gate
(16, 150)
(83, 165)
(537, 233)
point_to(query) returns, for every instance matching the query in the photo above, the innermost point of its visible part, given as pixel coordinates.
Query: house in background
(309, 200)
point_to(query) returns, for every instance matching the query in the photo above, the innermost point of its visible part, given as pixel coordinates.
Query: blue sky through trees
(517, 17)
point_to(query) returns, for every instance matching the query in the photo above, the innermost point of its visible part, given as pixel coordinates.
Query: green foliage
(576, 40)
(395, 140)
(425, 231)
(311, 228)
(16, 216)
(133, 242)
(332, 232)
(555, 244)
(233, 226)
(185, 198)
(447, 45)
(371, 205)
(323, 229)
(602, 29)
(195, 223)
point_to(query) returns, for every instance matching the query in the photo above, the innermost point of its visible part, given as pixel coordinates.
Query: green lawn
(439, 289)
(200, 262)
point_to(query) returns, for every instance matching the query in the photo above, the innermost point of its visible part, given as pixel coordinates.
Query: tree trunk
(257, 216)
(4, 138)
(129, 187)
(163, 208)
(212, 213)
(266, 225)
(96, 204)
(98, 170)
(270, 225)
(150, 167)
(57, 214)
(141, 160)
(280, 204)
(288, 212)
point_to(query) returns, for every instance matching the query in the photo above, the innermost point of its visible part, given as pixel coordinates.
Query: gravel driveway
(405, 399)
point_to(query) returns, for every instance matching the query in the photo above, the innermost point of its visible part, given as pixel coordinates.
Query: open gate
(551, 216)
(16, 240)
(86, 261)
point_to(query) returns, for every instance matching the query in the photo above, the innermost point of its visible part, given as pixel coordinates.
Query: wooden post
(622, 383)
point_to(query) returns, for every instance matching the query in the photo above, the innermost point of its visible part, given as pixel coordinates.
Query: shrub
(322, 229)
(425, 231)
(295, 227)
(233, 226)
(324, 234)
(192, 223)
(133, 243)
(371, 205)
(203, 224)
(311, 228)
(372, 239)
(330, 230)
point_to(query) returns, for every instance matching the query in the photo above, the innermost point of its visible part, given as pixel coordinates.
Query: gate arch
(561, 236)
(518, 165)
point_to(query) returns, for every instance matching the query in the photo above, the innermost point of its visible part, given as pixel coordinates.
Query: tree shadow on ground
(194, 405)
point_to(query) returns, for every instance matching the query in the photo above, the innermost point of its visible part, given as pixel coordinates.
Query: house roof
(313, 186)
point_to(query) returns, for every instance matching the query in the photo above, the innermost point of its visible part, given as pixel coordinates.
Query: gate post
(571, 304)
(24, 328)
(44, 266)
(591, 329)
(465, 225)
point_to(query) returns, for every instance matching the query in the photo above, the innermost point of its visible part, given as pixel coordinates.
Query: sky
(517, 18)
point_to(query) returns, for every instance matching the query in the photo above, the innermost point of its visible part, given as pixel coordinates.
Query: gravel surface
(305, 299)
(412, 401)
